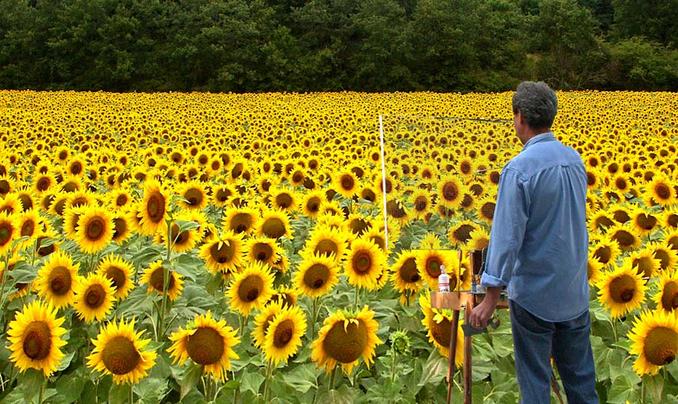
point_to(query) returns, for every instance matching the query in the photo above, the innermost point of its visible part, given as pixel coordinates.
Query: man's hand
(482, 313)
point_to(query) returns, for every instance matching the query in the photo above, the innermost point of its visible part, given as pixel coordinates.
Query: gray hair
(537, 103)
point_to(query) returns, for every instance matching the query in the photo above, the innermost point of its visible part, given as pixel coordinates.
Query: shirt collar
(547, 136)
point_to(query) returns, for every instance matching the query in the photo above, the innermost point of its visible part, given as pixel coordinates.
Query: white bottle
(443, 280)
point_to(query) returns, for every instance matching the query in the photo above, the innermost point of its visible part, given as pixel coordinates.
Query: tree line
(333, 45)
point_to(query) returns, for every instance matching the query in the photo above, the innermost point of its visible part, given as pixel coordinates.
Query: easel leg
(453, 350)
(468, 351)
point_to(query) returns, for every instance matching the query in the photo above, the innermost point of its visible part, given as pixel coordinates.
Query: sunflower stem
(315, 316)
(131, 393)
(334, 371)
(393, 365)
(355, 298)
(165, 281)
(41, 394)
(267, 383)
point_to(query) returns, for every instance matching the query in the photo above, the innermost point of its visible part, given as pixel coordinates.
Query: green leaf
(654, 388)
(70, 386)
(435, 370)
(251, 382)
(66, 361)
(186, 225)
(31, 381)
(151, 390)
(302, 378)
(342, 395)
(190, 379)
(119, 393)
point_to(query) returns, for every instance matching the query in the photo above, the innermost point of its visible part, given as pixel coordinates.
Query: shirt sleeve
(508, 229)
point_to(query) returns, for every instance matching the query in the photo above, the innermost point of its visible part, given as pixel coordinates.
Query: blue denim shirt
(539, 242)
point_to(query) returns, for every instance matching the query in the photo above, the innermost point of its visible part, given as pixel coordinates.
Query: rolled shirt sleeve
(508, 229)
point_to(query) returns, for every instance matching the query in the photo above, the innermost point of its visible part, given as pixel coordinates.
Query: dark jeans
(536, 340)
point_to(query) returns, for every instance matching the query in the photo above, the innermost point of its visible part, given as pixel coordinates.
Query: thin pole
(383, 180)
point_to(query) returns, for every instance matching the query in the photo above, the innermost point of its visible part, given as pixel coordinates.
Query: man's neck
(530, 133)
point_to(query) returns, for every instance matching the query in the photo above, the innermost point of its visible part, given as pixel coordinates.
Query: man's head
(534, 108)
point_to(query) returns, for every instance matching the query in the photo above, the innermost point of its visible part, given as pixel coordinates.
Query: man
(538, 250)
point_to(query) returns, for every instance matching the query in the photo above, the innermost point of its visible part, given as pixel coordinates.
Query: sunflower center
(117, 277)
(223, 195)
(465, 167)
(283, 333)
(316, 276)
(487, 210)
(358, 226)
(120, 356)
(433, 267)
(241, 222)
(60, 280)
(155, 207)
(43, 184)
(661, 346)
(250, 288)
(345, 343)
(194, 197)
(119, 227)
(121, 200)
(326, 247)
(95, 296)
(273, 228)
(27, 228)
(420, 203)
(178, 237)
(663, 191)
(604, 254)
(362, 262)
(646, 222)
(622, 289)
(645, 265)
(395, 209)
(450, 191)
(95, 228)
(347, 182)
(313, 204)
(284, 201)
(463, 232)
(205, 346)
(670, 296)
(408, 271)
(262, 251)
(5, 233)
(158, 280)
(624, 239)
(222, 254)
(442, 332)
(37, 340)
(369, 195)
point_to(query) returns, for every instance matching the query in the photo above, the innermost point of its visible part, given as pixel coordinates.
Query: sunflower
(153, 208)
(120, 351)
(154, 278)
(122, 227)
(193, 195)
(180, 240)
(9, 231)
(94, 297)
(643, 221)
(317, 275)
(479, 240)
(429, 264)
(345, 183)
(660, 191)
(35, 338)
(70, 225)
(422, 201)
(625, 236)
(95, 229)
(224, 254)
(654, 340)
(283, 336)
(364, 264)
(344, 338)
(286, 296)
(357, 224)
(222, 195)
(119, 272)
(326, 241)
(438, 325)
(261, 322)
(645, 262)
(207, 342)
(251, 288)
(120, 198)
(670, 218)
(241, 220)
(29, 225)
(460, 233)
(450, 192)
(405, 274)
(284, 200)
(594, 268)
(262, 249)
(275, 224)
(668, 258)
(621, 290)
(600, 220)
(431, 241)
(10, 204)
(667, 293)
(605, 250)
(57, 279)
(485, 208)
(312, 203)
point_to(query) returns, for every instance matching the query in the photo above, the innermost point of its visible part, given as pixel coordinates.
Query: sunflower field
(233, 248)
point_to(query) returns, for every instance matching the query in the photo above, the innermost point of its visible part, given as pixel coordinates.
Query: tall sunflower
(438, 325)
(154, 277)
(95, 229)
(450, 192)
(9, 231)
(207, 342)
(667, 293)
(153, 207)
(35, 338)
(283, 337)
(275, 224)
(344, 338)
(262, 321)
(621, 290)
(262, 249)
(120, 351)
(660, 191)
(57, 279)
(94, 298)
(654, 340)
(324, 240)
(251, 288)
(346, 184)
(224, 254)
(364, 264)
(119, 272)
(317, 275)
